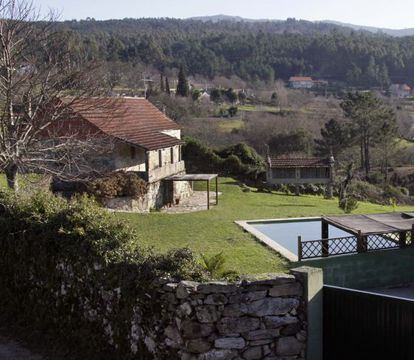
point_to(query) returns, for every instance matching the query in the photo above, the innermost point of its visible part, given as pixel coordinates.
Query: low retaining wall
(252, 319)
(158, 195)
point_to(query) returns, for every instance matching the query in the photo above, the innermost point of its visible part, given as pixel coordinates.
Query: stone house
(299, 171)
(400, 91)
(301, 82)
(143, 140)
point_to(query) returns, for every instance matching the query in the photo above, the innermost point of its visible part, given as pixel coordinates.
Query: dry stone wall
(251, 319)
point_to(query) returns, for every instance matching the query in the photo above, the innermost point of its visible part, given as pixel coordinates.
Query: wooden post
(208, 194)
(403, 239)
(362, 242)
(325, 235)
(299, 248)
(216, 190)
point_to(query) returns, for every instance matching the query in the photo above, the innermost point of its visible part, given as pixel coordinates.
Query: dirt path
(11, 350)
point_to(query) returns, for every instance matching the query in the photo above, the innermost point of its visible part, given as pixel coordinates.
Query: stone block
(217, 287)
(216, 299)
(289, 346)
(293, 289)
(193, 330)
(235, 310)
(272, 306)
(230, 343)
(247, 297)
(198, 346)
(261, 334)
(215, 354)
(207, 314)
(253, 353)
(273, 322)
(227, 326)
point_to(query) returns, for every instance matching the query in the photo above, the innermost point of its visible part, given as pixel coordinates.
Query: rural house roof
(286, 162)
(300, 78)
(133, 120)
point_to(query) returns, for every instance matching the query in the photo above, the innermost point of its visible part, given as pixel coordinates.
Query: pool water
(286, 233)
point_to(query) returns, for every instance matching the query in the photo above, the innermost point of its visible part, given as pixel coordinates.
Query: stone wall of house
(251, 319)
(160, 193)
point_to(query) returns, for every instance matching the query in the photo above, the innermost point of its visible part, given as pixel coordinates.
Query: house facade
(301, 82)
(143, 140)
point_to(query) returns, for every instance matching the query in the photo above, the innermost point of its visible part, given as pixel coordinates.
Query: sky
(395, 14)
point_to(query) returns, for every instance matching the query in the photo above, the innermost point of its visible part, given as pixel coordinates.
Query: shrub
(348, 204)
(118, 184)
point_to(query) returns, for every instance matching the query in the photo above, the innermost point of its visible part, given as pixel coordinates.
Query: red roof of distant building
(300, 78)
(290, 162)
(133, 120)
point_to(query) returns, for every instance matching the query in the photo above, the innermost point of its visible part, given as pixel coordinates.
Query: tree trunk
(362, 153)
(11, 176)
(366, 155)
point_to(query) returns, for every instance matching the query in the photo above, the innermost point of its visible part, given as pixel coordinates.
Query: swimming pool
(282, 234)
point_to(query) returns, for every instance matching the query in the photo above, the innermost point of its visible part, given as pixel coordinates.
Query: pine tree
(182, 86)
(167, 86)
(335, 138)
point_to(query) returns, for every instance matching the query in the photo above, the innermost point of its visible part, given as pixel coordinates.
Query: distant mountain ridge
(371, 29)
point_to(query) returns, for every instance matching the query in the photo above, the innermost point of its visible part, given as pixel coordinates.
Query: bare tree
(37, 69)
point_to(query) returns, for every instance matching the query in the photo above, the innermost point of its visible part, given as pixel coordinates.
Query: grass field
(214, 231)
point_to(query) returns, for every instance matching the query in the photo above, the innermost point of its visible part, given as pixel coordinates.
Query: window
(179, 153)
(172, 155)
(159, 158)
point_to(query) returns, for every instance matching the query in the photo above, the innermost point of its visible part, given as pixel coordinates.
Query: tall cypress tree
(162, 88)
(182, 86)
(167, 86)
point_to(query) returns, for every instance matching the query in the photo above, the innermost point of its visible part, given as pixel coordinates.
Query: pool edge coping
(245, 225)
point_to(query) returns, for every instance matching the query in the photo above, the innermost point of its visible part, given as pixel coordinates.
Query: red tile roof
(133, 120)
(300, 78)
(286, 162)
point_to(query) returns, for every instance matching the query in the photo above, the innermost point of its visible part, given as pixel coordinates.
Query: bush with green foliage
(240, 160)
(215, 266)
(75, 271)
(348, 204)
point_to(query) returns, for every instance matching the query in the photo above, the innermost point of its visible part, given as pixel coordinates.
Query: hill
(253, 51)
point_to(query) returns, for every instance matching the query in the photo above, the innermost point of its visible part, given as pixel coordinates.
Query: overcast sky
(395, 14)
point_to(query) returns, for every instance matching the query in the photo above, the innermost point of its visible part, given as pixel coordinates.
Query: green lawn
(214, 231)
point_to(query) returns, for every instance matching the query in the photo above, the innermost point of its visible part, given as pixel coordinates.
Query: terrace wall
(251, 319)
(369, 270)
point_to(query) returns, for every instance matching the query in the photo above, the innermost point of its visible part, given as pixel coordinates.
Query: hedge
(75, 272)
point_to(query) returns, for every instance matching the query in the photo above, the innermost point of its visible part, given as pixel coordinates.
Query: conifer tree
(167, 86)
(182, 86)
(162, 87)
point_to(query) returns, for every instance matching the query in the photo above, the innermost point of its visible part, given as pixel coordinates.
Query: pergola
(198, 177)
(369, 224)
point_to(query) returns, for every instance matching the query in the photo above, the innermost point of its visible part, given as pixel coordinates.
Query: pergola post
(216, 190)
(325, 235)
(208, 194)
(362, 242)
(403, 239)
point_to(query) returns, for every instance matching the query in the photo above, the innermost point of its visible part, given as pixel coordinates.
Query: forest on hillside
(259, 51)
